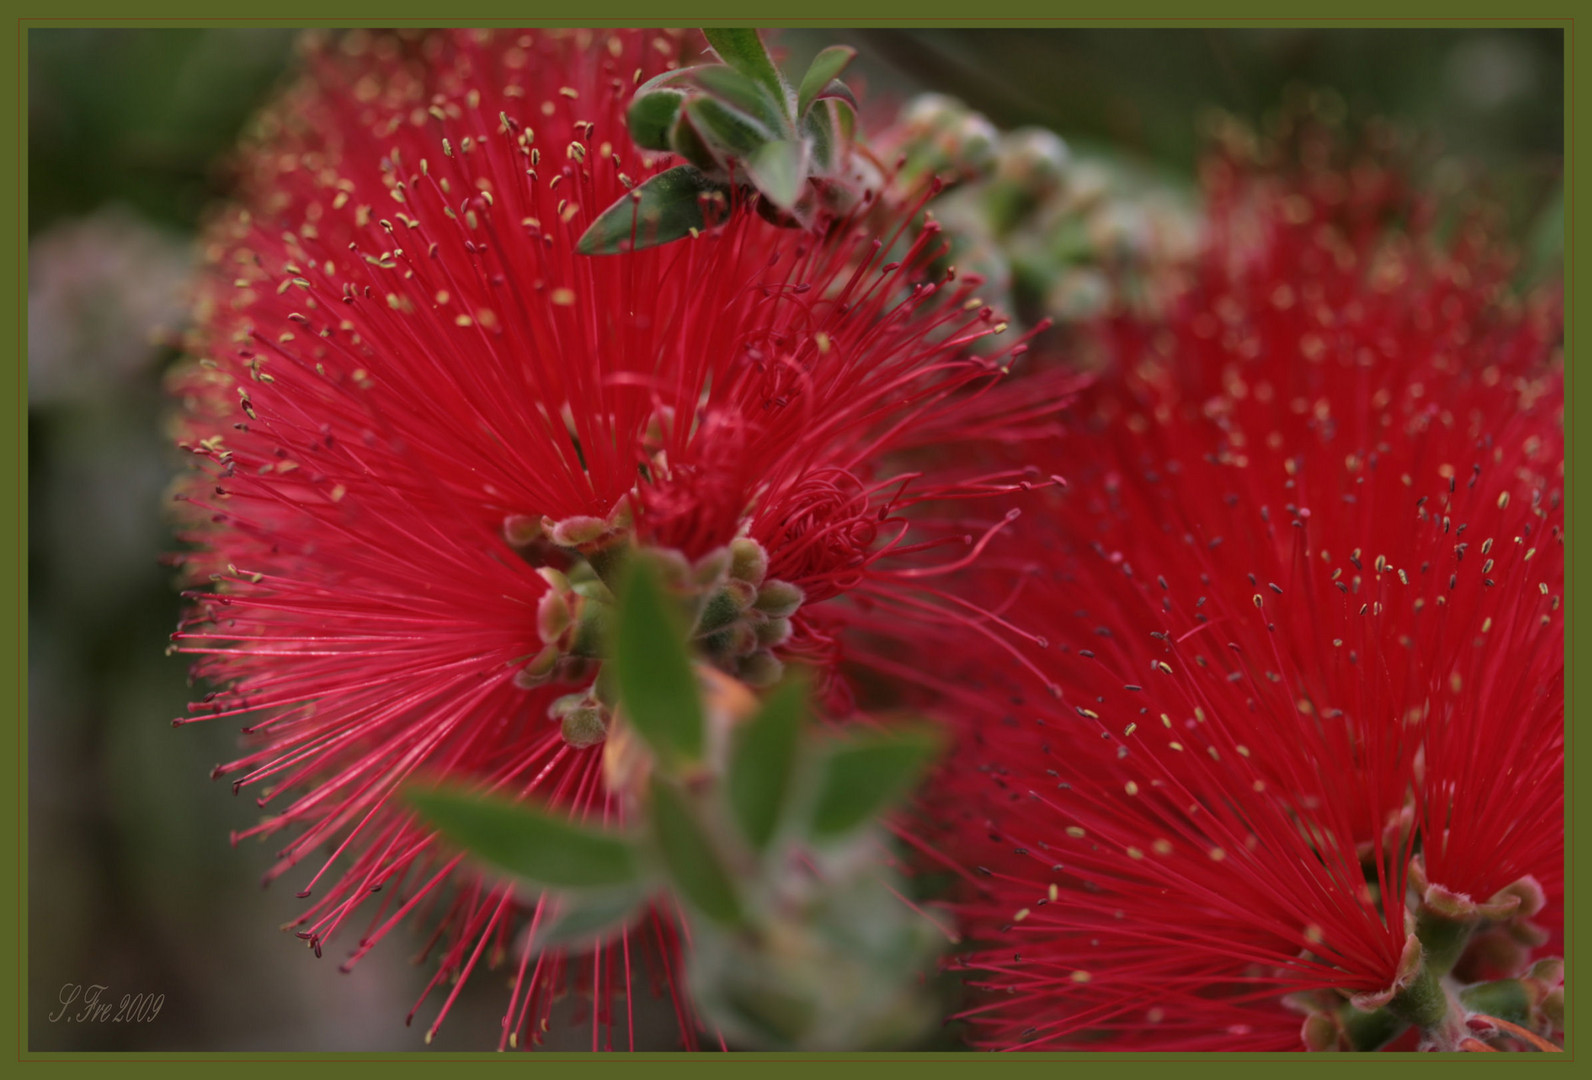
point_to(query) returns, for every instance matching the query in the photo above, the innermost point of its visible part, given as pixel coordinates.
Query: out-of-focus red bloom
(1302, 601)
(403, 363)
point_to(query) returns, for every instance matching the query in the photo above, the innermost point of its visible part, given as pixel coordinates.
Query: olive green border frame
(1129, 13)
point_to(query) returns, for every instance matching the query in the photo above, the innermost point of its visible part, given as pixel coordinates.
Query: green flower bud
(761, 668)
(1035, 159)
(522, 530)
(748, 561)
(772, 632)
(1553, 1008)
(552, 616)
(1320, 1032)
(577, 531)
(539, 670)
(583, 719)
(555, 579)
(584, 727)
(779, 599)
(725, 606)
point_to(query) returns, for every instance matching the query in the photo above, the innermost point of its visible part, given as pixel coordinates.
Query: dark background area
(132, 883)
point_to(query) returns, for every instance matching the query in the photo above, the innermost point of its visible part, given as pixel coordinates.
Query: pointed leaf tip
(826, 66)
(863, 775)
(528, 842)
(742, 48)
(665, 208)
(838, 91)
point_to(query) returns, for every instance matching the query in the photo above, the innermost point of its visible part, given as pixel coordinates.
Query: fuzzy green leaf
(657, 687)
(736, 90)
(728, 132)
(838, 91)
(664, 208)
(533, 844)
(864, 775)
(690, 857)
(688, 142)
(743, 50)
(847, 119)
(677, 79)
(763, 761)
(779, 170)
(826, 67)
(651, 116)
(818, 126)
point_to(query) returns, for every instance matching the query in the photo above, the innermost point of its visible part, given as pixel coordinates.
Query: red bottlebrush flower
(413, 397)
(1305, 652)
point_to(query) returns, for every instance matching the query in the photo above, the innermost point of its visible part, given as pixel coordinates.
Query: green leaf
(735, 89)
(838, 91)
(826, 66)
(763, 760)
(678, 79)
(686, 141)
(819, 128)
(743, 50)
(651, 115)
(530, 843)
(866, 773)
(847, 119)
(778, 170)
(728, 132)
(657, 687)
(665, 208)
(689, 855)
(590, 918)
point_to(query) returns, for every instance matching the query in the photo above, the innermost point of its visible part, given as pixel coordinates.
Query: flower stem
(1370, 1030)
(1443, 938)
(1425, 1002)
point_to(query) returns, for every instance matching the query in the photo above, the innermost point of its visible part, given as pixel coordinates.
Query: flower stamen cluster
(428, 430)
(1302, 702)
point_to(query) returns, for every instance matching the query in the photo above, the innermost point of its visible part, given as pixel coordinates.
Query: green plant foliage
(657, 687)
(742, 49)
(690, 856)
(665, 208)
(741, 128)
(763, 761)
(535, 845)
(821, 75)
(778, 169)
(863, 775)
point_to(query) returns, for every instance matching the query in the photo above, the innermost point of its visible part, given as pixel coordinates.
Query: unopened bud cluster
(1053, 235)
(738, 615)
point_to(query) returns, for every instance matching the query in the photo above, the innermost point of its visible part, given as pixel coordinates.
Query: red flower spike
(411, 389)
(1302, 602)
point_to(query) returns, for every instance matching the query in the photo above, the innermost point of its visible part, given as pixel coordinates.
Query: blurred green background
(132, 883)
